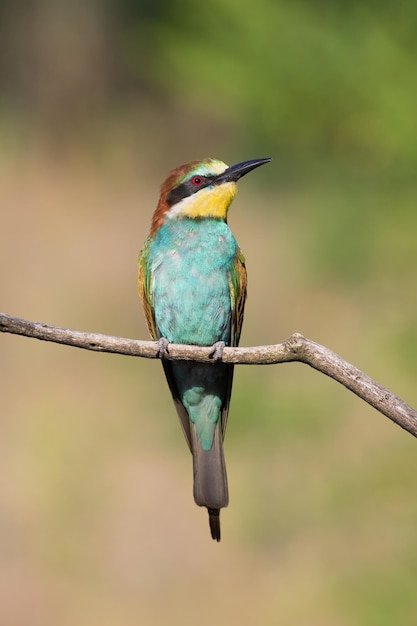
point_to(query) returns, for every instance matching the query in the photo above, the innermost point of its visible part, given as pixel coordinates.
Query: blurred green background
(98, 101)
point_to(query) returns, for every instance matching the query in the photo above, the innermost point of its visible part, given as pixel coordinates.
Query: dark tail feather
(214, 521)
(210, 478)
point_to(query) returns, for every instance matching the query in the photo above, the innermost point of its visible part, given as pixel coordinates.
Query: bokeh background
(98, 101)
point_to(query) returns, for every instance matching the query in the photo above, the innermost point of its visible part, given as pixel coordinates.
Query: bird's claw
(216, 352)
(162, 348)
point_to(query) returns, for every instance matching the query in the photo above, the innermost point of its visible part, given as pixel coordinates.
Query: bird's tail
(210, 478)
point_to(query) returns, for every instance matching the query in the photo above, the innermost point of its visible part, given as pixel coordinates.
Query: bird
(193, 283)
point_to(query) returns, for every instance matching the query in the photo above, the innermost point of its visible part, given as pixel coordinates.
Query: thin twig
(295, 348)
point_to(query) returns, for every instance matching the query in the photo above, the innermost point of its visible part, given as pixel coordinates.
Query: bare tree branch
(295, 348)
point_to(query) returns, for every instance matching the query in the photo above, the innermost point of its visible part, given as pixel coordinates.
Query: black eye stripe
(187, 188)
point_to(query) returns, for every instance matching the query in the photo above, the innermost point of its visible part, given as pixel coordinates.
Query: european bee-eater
(192, 280)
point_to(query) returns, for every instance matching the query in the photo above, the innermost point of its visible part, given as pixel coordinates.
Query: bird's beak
(234, 172)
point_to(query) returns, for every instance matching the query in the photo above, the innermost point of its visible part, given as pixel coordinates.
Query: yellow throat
(208, 202)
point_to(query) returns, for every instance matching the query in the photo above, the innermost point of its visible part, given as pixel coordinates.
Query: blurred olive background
(98, 101)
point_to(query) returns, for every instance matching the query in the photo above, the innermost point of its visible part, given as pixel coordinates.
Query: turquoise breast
(190, 262)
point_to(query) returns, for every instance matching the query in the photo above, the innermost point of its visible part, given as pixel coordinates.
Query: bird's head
(200, 189)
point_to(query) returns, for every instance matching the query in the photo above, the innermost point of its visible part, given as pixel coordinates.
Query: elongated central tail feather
(210, 478)
(214, 521)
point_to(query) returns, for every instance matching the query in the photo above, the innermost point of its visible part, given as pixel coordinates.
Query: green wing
(145, 288)
(238, 285)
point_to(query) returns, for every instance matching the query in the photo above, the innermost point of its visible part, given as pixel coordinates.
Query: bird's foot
(163, 350)
(217, 351)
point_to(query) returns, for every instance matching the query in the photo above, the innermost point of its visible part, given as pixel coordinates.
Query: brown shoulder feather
(168, 185)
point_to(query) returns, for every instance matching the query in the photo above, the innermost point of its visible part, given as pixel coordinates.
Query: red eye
(196, 180)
